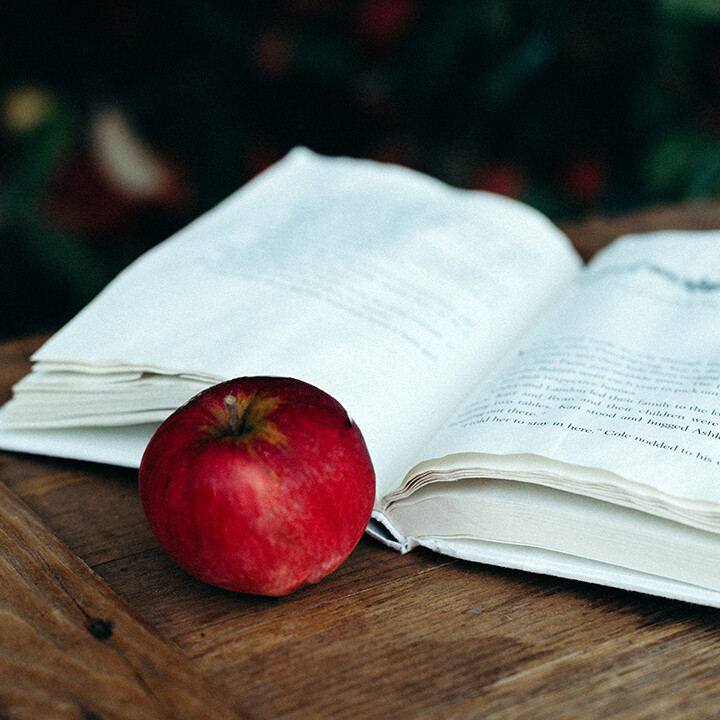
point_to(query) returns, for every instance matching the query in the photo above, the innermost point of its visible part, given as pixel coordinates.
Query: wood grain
(414, 636)
(69, 648)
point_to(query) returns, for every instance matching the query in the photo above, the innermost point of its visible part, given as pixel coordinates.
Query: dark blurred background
(122, 120)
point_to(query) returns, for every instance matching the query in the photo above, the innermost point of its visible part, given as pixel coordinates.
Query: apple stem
(231, 403)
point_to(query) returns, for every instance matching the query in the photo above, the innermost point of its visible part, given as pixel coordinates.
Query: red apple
(258, 485)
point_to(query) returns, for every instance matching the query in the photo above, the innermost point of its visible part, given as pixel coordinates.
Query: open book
(521, 409)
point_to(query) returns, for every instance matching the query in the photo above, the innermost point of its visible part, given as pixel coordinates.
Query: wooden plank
(404, 636)
(70, 648)
(15, 362)
(593, 233)
(464, 640)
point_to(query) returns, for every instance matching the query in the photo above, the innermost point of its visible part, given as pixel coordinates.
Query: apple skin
(263, 496)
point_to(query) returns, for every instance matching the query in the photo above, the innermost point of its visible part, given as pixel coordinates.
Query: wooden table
(97, 623)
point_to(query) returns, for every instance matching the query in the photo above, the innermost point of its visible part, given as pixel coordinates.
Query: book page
(389, 290)
(538, 529)
(623, 376)
(530, 515)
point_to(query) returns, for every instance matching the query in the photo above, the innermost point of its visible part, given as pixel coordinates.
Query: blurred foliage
(123, 120)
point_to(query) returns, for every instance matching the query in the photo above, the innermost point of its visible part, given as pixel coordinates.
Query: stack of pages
(520, 409)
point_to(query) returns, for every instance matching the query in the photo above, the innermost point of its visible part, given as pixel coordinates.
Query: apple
(258, 485)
